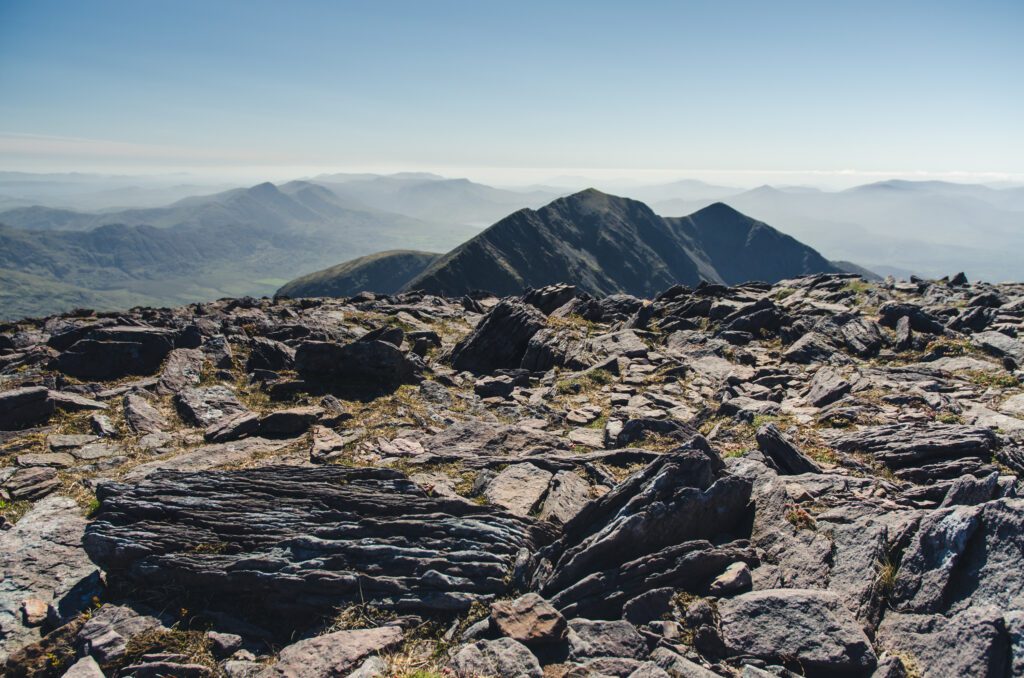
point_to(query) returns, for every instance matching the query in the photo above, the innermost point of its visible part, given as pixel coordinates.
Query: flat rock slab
(42, 557)
(210, 457)
(902, 445)
(519, 488)
(809, 628)
(208, 405)
(334, 654)
(298, 543)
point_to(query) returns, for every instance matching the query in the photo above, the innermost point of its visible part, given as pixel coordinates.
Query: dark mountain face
(742, 249)
(606, 244)
(385, 272)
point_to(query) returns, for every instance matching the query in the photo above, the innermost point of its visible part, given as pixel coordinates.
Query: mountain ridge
(605, 244)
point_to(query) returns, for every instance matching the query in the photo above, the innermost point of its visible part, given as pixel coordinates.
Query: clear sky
(516, 90)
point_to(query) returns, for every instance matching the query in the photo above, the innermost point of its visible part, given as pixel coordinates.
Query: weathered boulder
(528, 619)
(588, 639)
(207, 405)
(183, 368)
(267, 354)
(519, 488)
(973, 643)
(501, 657)
(358, 365)
(500, 339)
(24, 407)
(1001, 346)
(964, 556)
(294, 543)
(805, 628)
(113, 352)
(141, 416)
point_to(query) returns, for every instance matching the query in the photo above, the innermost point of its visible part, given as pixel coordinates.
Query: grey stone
(501, 657)
(811, 628)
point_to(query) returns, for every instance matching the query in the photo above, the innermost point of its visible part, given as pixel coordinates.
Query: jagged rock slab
(500, 340)
(901, 445)
(641, 535)
(299, 542)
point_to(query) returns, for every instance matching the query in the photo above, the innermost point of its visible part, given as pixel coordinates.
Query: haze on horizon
(735, 93)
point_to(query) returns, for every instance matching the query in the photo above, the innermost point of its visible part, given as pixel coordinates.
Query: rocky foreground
(817, 477)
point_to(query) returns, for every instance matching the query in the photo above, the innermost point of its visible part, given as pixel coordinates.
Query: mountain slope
(240, 242)
(606, 244)
(384, 272)
(741, 249)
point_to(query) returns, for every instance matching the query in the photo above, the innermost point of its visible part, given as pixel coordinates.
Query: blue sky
(519, 90)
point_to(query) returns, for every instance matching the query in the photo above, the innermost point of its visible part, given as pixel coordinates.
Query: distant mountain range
(239, 242)
(68, 240)
(930, 228)
(602, 243)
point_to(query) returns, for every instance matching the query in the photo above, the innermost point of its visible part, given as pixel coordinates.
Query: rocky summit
(813, 477)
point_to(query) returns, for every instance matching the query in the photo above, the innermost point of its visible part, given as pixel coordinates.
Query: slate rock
(267, 541)
(368, 364)
(827, 386)
(901, 445)
(141, 416)
(32, 483)
(114, 352)
(183, 368)
(500, 339)
(646, 533)
(86, 667)
(810, 348)
(288, 422)
(567, 494)
(267, 354)
(808, 628)
(41, 557)
(519, 488)
(595, 638)
(24, 407)
(920, 320)
(106, 634)
(207, 405)
(784, 454)
(232, 427)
